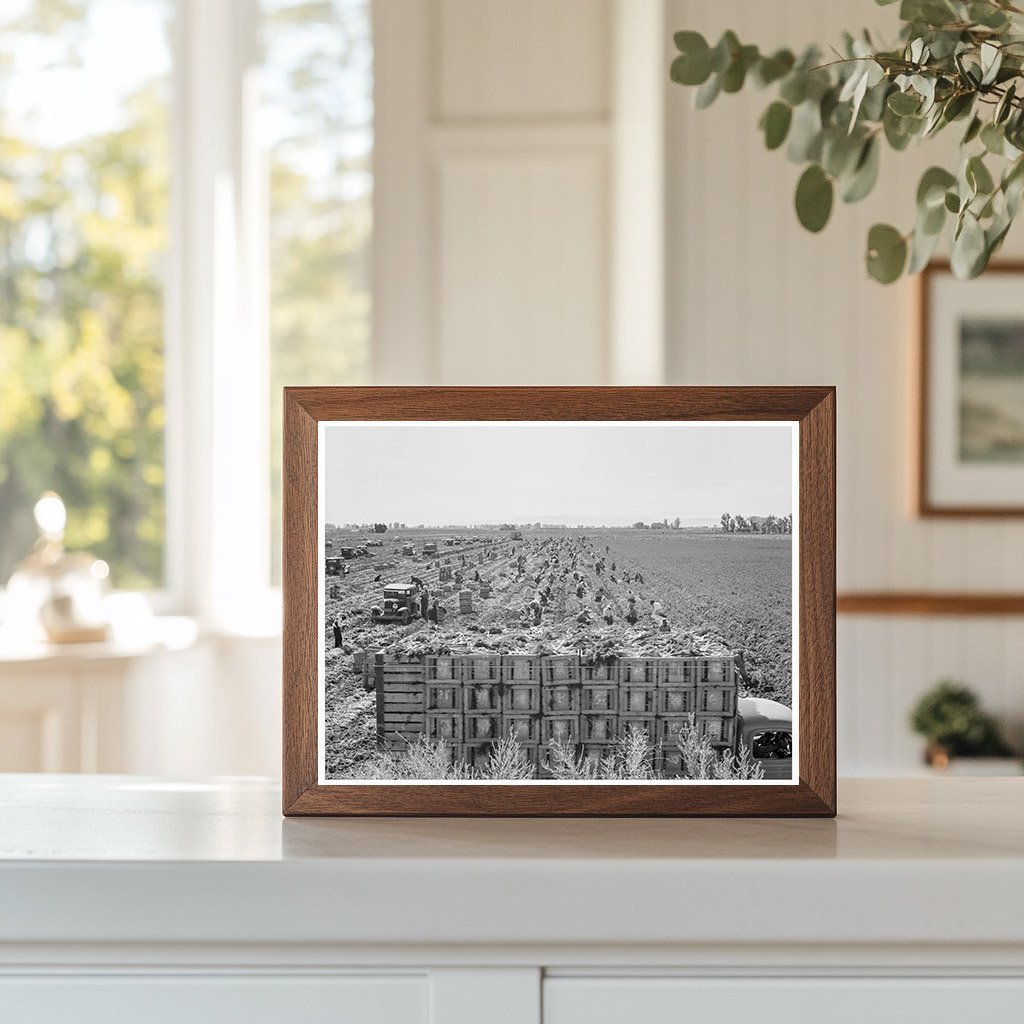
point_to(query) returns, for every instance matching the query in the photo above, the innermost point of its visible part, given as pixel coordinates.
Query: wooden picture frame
(926, 503)
(811, 409)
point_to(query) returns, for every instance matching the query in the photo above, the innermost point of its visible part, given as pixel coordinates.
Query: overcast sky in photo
(585, 474)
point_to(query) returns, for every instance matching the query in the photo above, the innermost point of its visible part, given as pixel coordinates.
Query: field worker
(535, 609)
(424, 604)
(432, 612)
(608, 614)
(583, 618)
(631, 615)
(337, 631)
(580, 592)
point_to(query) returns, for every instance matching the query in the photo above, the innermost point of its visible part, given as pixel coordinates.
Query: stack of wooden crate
(470, 700)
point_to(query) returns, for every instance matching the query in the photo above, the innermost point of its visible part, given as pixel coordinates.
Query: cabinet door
(205, 999)
(570, 1000)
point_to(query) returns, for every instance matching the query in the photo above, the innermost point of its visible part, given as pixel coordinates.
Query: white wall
(754, 299)
(518, 239)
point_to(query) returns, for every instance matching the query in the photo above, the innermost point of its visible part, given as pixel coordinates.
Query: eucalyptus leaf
(978, 176)
(688, 69)
(991, 60)
(993, 138)
(775, 124)
(922, 247)
(931, 190)
(904, 103)
(886, 253)
(771, 69)
(805, 133)
(973, 130)
(865, 173)
(707, 93)
(968, 248)
(814, 195)
(794, 88)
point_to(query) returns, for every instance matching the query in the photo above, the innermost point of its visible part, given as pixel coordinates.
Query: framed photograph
(559, 601)
(970, 450)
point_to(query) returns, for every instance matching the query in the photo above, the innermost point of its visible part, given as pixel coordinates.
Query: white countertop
(122, 859)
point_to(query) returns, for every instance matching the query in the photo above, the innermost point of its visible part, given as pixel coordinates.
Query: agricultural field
(600, 591)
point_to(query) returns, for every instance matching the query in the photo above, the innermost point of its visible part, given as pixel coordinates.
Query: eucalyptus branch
(955, 61)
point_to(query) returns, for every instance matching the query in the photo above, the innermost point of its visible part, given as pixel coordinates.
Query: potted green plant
(956, 62)
(950, 718)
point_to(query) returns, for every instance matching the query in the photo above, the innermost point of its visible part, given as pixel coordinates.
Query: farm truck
(400, 604)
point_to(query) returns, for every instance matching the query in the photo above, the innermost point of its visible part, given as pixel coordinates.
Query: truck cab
(430, 549)
(766, 730)
(399, 604)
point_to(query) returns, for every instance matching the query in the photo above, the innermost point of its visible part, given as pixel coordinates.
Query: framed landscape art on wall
(590, 601)
(970, 451)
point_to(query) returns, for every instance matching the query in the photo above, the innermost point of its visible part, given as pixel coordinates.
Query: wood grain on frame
(925, 602)
(923, 504)
(813, 408)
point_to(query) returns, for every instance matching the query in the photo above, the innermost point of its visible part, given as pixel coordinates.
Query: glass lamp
(56, 595)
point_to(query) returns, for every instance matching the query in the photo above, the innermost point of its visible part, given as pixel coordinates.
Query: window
(83, 235)
(237, 212)
(317, 117)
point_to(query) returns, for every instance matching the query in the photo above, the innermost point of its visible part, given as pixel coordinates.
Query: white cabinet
(828, 1000)
(133, 899)
(204, 999)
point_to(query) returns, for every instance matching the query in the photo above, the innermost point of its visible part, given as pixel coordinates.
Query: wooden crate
(646, 723)
(598, 728)
(560, 727)
(596, 671)
(716, 670)
(445, 726)
(557, 668)
(521, 698)
(441, 666)
(716, 699)
(718, 730)
(442, 695)
(481, 728)
(677, 700)
(596, 751)
(599, 698)
(524, 727)
(638, 700)
(523, 668)
(637, 671)
(560, 700)
(474, 754)
(669, 727)
(669, 762)
(408, 670)
(476, 667)
(481, 696)
(677, 671)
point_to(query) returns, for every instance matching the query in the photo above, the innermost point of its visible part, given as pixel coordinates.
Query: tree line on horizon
(730, 523)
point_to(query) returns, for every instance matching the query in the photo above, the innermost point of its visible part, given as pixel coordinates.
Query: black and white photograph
(558, 602)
